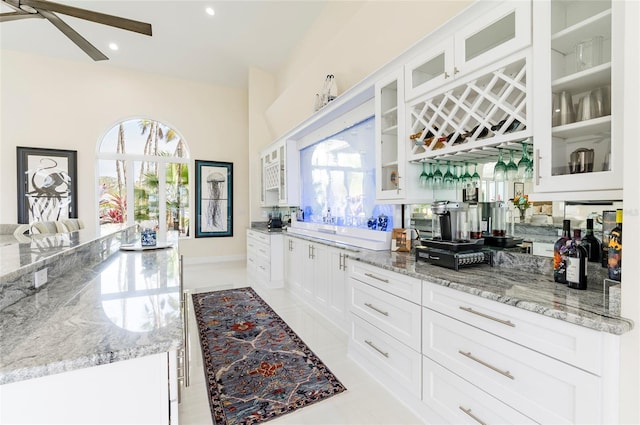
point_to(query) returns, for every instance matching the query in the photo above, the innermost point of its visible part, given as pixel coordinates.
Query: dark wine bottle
(615, 249)
(591, 243)
(560, 252)
(576, 262)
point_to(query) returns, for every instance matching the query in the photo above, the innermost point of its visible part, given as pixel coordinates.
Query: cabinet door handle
(536, 165)
(372, 307)
(371, 344)
(485, 364)
(446, 75)
(376, 277)
(474, 417)
(486, 316)
(455, 70)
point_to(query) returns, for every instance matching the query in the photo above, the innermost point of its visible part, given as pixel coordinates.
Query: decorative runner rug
(256, 367)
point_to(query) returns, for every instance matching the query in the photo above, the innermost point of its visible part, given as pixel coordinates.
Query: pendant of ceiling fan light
(28, 9)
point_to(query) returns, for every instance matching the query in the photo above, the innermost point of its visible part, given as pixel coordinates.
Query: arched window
(148, 162)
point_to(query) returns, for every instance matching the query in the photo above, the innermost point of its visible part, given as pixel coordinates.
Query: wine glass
(524, 162)
(512, 168)
(437, 176)
(423, 176)
(500, 170)
(465, 179)
(429, 181)
(475, 178)
(447, 179)
(528, 173)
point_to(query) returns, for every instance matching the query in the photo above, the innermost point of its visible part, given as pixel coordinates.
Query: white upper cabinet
(578, 98)
(278, 161)
(390, 137)
(499, 29)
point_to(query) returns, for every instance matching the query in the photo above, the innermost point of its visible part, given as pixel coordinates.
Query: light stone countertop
(523, 281)
(125, 307)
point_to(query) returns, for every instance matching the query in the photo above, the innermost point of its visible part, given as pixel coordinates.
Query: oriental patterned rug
(256, 367)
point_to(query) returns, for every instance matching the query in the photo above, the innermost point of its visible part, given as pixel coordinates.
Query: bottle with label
(576, 262)
(591, 243)
(608, 223)
(615, 249)
(560, 252)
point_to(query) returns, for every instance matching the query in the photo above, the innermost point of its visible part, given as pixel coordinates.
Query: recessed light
(210, 11)
(113, 46)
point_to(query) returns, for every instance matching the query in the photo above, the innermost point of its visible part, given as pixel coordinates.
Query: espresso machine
(494, 225)
(451, 245)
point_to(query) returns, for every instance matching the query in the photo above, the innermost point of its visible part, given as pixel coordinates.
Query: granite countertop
(535, 292)
(125, 307)
(519, 281)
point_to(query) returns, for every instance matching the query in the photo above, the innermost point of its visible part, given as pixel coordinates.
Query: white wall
(60, 104)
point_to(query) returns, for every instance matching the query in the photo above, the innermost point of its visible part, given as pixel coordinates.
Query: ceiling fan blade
(79, 40)
(14, 16)
(101, 18)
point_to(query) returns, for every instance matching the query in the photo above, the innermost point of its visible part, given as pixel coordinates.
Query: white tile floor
(364, 402)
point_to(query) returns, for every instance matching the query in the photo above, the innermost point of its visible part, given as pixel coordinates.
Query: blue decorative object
(148, 237)
(383, 222)
(371, 223)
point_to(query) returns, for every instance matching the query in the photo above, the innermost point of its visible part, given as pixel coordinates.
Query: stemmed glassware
(429, 182)
(465, 179)
(475, 178)
(523, 164)
(512, 168)
(437, 176)
(423, 176)
(447, 179)
(528, 173)
(500, 170)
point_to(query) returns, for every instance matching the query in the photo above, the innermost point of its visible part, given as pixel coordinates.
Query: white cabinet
(136, 391)
(279, 174)
(500, 29)
(548, 370)
(390, 138)
(385, 327)
(264, 258)
(578, 101)
(317, 274)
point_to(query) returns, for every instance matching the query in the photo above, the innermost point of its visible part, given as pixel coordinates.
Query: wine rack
(470, 121)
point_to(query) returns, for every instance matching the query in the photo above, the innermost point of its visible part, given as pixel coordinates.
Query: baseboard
(213, 259)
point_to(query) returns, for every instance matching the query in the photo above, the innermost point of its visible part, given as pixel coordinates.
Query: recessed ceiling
(187, 42)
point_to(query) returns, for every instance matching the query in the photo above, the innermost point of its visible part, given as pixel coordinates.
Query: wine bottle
(615, 249)
(591, 243)
(608, 223)
(559, 253)
(576, 262)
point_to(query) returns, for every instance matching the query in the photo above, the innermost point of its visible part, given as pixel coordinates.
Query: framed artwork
(214, 199)
(518, 189)
(47, 184)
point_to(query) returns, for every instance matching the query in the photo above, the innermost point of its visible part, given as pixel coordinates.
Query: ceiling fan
(47, 9)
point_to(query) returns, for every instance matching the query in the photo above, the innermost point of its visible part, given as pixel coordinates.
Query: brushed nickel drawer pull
(376, 277)
(486, 316)
(483, 363)
(386, 313)
(474, 417)
(370, 344)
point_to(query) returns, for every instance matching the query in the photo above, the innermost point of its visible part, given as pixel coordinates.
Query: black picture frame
(518, 189)
(214, 199)
(47, 184)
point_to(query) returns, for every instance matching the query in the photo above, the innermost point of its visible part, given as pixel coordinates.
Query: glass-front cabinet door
(577, 141)
(390, 129)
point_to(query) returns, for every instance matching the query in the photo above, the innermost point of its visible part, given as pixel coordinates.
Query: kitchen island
(109, 328)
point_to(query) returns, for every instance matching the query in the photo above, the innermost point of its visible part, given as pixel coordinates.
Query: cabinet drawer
(542, 388)
(256, 249)
(258, 236)
(564, 341)
(398, 284)
(259, 267)
(396, 316)
(460, 402)
(399, 362)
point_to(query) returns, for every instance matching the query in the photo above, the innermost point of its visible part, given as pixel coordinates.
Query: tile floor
(364, 402)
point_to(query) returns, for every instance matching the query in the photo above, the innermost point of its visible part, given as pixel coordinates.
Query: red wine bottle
(560, 252)
(591, 243)
(576, 263)
(615, 249)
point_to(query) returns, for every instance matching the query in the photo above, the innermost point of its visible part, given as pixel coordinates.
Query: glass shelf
(564, 41)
